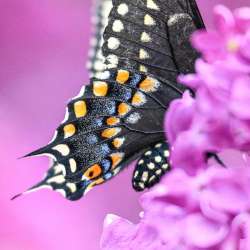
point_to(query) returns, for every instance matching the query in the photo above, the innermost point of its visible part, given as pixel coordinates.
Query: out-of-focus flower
(218, 118)
(181, 116)
(209, 211)
(230, 37)
(121, 234)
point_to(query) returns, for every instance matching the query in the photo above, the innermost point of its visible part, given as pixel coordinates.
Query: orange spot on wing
(93, 172)
(69, 130)
(110, 132)
(100, 88)
(112, 121)
(123, 109)
(138, 99)
(116, 159)
(122, 76)
(80, 108)
(148, 85)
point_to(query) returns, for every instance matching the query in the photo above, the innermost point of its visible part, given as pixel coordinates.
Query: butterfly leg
(152, 165)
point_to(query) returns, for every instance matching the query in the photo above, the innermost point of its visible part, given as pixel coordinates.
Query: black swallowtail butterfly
(118, 117)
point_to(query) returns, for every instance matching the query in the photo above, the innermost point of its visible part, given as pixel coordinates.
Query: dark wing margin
(120, 114)
(152, 165)
(100, 13)
(199, 23)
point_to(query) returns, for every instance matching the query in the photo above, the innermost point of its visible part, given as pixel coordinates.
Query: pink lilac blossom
(195, 207)
(209, 211)
(218, 118)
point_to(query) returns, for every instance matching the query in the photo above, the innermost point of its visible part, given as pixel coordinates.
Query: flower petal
(202, 232)
(242, 16)
(224, 19)
(239, 103)
(211, 45)
(179, 116)
(117, 233)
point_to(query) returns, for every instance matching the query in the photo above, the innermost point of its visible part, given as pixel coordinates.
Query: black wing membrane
(152, 36)
(119, 115)
(152, 165)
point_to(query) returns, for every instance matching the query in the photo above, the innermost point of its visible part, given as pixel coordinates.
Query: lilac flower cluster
(218, 117)
(195, 207)
(208, 211)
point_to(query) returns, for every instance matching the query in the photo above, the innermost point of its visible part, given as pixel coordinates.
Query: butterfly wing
(152, 165)
(101, 10)
(120, 114)
(152, 36)
(105, 129)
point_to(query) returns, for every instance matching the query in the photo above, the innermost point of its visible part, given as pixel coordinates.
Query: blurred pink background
(43, 48)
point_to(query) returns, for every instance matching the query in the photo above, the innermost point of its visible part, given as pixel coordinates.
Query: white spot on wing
(141, 185)
(143, 54)
(166, 153)
(136, 174)
(122, 9)
(145, 37)
(158, 172)
(71, 186)
(140, 162)
(118, 26)
(103, 75)
(113, 59)
(148, 20)
(151, 178)
(113, 43)
(62, 148)
(60, 168)
(151, 165)
(99, 65)
(145, 176)
(158, 159)
(59, 179)
(165, 166)
(72, 164)
(143, 68)
(152, 5)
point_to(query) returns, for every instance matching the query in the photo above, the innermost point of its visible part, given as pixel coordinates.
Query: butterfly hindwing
(151, 166)
(54, 179)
